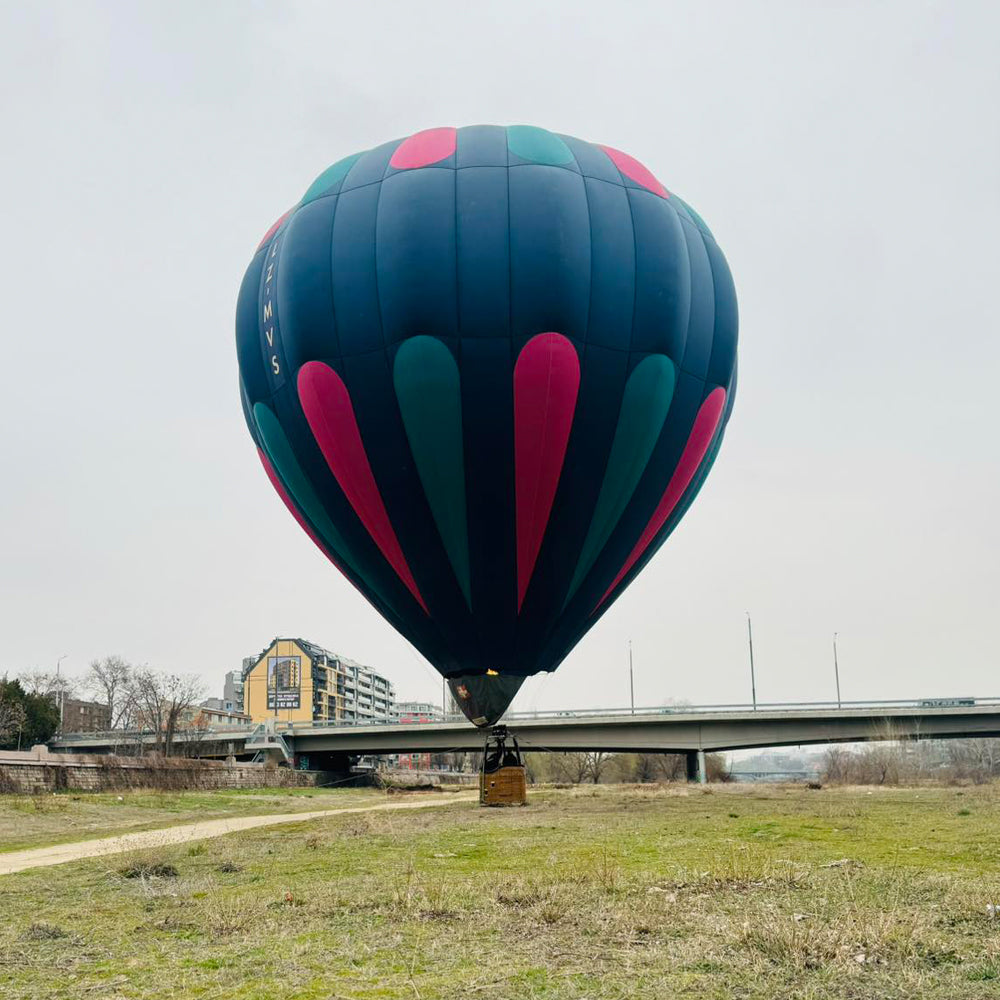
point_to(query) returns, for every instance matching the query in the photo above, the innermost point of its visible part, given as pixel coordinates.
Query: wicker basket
(504, 787)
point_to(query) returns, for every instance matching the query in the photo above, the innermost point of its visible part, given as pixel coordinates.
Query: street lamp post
(753, 678)
(631, 678)
(59, 690)
(836, 668)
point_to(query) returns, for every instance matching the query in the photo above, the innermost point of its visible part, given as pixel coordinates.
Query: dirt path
(40, 857)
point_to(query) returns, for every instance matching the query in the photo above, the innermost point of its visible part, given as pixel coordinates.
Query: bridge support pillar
(695, 761)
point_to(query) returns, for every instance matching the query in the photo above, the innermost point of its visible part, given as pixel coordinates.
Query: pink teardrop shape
(546, 383)
(694, 451)
(330, 413)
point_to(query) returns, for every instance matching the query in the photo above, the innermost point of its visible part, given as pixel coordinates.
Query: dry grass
(761, 893)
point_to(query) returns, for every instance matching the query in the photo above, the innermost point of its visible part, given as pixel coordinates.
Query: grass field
(728, 892)
(40, 820)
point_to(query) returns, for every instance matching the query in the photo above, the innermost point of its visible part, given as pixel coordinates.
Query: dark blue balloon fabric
(488, 369)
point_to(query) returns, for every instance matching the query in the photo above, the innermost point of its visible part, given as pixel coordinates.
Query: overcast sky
(847, 158)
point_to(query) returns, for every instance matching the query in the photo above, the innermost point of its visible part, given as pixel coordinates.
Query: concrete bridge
(690, 730)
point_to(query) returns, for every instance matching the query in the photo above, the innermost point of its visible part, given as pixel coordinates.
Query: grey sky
(847, 158)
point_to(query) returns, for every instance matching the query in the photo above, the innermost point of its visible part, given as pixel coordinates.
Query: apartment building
(416, 711)
(232, 690)
(294, 680)
(366, 695)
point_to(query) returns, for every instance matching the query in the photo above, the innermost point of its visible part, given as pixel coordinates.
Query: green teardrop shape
(645, 403)
(428, 389)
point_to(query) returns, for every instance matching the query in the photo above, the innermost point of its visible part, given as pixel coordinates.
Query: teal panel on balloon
(695, 217)
(538, 145)
(331, 176)
(428, 388)
(645, 403)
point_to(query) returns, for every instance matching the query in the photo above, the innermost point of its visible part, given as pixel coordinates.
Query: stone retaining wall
(38, 770)
(399, 777)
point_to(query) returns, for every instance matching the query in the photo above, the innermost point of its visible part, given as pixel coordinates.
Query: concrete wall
(38, 770)
(413, 778)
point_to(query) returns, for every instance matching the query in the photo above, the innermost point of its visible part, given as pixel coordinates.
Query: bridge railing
(127, 736)
(646, 711)
(928, 704)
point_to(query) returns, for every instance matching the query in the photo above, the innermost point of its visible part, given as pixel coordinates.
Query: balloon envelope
(487, 369)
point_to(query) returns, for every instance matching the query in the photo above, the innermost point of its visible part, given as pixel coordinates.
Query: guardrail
(928, 704)
(126, 736)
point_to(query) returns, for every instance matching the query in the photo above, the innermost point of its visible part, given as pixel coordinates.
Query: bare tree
(108, 680)
(717, 768)
(51, 684)
(580, 767)
(642, 768)
(47, 682)
(837, 764)
(595, 763)
(879, 764)
(197, 730)
(882, 759)
(890, 757)
(975, 759)
(162, 701)
(668, 766)
(570, 767)
(37, 681)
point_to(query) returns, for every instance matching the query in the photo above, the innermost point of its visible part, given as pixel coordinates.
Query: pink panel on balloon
(290, 504)
(427, 147)
(694, 451)
(546, 382)
(273, 229)
(635, 171)
(328, 409)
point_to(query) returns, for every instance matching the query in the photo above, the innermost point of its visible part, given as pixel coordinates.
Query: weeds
(404, 889)
(744, 869)
(984, 973)
(42, 931)
(519, 895)
(147, 864)
(852, 936)
(608, 871)
(224, 916)
(42, 802)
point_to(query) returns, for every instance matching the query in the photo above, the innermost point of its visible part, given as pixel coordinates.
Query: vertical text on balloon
(270, 329)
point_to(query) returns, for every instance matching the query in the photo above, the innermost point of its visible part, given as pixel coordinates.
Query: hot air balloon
(487, 370)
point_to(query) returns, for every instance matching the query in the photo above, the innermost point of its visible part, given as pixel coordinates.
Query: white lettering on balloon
(270, 328)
